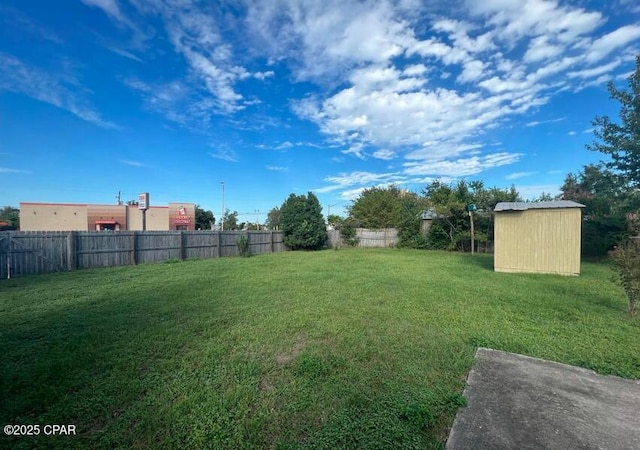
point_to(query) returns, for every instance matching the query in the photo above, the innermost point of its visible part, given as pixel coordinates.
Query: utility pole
(257, 214)
(471, 208)
(473, 244)
(119, 198)
(222, 217)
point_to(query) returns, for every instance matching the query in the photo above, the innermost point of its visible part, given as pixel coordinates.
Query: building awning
(106, 222)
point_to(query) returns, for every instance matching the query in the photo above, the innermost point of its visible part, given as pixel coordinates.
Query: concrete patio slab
(518, 402)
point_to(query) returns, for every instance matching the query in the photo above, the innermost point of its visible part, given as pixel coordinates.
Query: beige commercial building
(538, 237)
(86, 217)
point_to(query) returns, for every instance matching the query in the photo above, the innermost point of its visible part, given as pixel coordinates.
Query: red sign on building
(182, 218)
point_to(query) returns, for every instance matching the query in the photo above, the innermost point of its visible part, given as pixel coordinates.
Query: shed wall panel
(539, 241)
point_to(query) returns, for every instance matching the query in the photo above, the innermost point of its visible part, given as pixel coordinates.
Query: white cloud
(516, 175)
(540, 49)
(360, 178)
(356, 150)
(61, 89)
(461, 167)
(535, 123)
(515, 19)
(352, 194)
(176, 101)
(345, 181)
(608, 43)
(225, 155)
(390, 103)
(473, 71)
(595, 71)
(324, 38)
(263, 75)
(277, 168)
(10, 170)
(110, 8)
(15, 21)
(572, 133)
(285, 145)
(129, 162)
(125, 53)
(384, 154)
(439, 150)
(413, 70)
(213, 69)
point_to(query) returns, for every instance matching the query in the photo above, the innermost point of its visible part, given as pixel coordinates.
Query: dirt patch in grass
(299, 345)
(266, 384)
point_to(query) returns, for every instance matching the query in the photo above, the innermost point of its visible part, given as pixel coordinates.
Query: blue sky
(174, 97)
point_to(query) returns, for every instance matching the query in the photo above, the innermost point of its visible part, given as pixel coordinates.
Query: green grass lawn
(334, 349)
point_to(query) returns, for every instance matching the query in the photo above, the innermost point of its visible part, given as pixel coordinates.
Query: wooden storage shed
(538, 237)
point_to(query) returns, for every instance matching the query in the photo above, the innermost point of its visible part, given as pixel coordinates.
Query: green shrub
(410, 234)
(243, 246)
(626, 264)
(438, 238)
(600, 235)
(303, 223)
(348, 232)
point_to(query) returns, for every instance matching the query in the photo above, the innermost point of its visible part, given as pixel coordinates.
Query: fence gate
(30, 253)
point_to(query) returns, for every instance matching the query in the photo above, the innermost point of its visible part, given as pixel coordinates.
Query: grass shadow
(95, 362)
(480, 260)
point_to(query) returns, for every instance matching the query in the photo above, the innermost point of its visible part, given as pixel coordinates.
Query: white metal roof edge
(524, 206)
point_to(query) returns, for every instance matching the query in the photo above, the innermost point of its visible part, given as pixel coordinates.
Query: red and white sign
(182, 218)
(143, 201)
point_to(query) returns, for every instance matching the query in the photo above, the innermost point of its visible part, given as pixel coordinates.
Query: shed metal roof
(429, 214)
(523, 206)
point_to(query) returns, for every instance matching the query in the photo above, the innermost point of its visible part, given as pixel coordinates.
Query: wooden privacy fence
(383, 237)
(28, 252)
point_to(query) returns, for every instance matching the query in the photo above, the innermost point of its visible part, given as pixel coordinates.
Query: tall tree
(204, 219)
(621, 141)
(607, 201)
(10, 215)
(230, 220)
(334, 220)
(601, 191)
(451, 230)
(383, 207)
(273, 219)
(303, 223)
(388, 207)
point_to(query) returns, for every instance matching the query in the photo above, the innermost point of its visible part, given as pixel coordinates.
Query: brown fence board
(26, 253)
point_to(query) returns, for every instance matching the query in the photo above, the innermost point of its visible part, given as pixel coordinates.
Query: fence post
(218, 244)
(9, 253)
(271, 243)
(134, 248)
(182, 247)
(72, 253)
